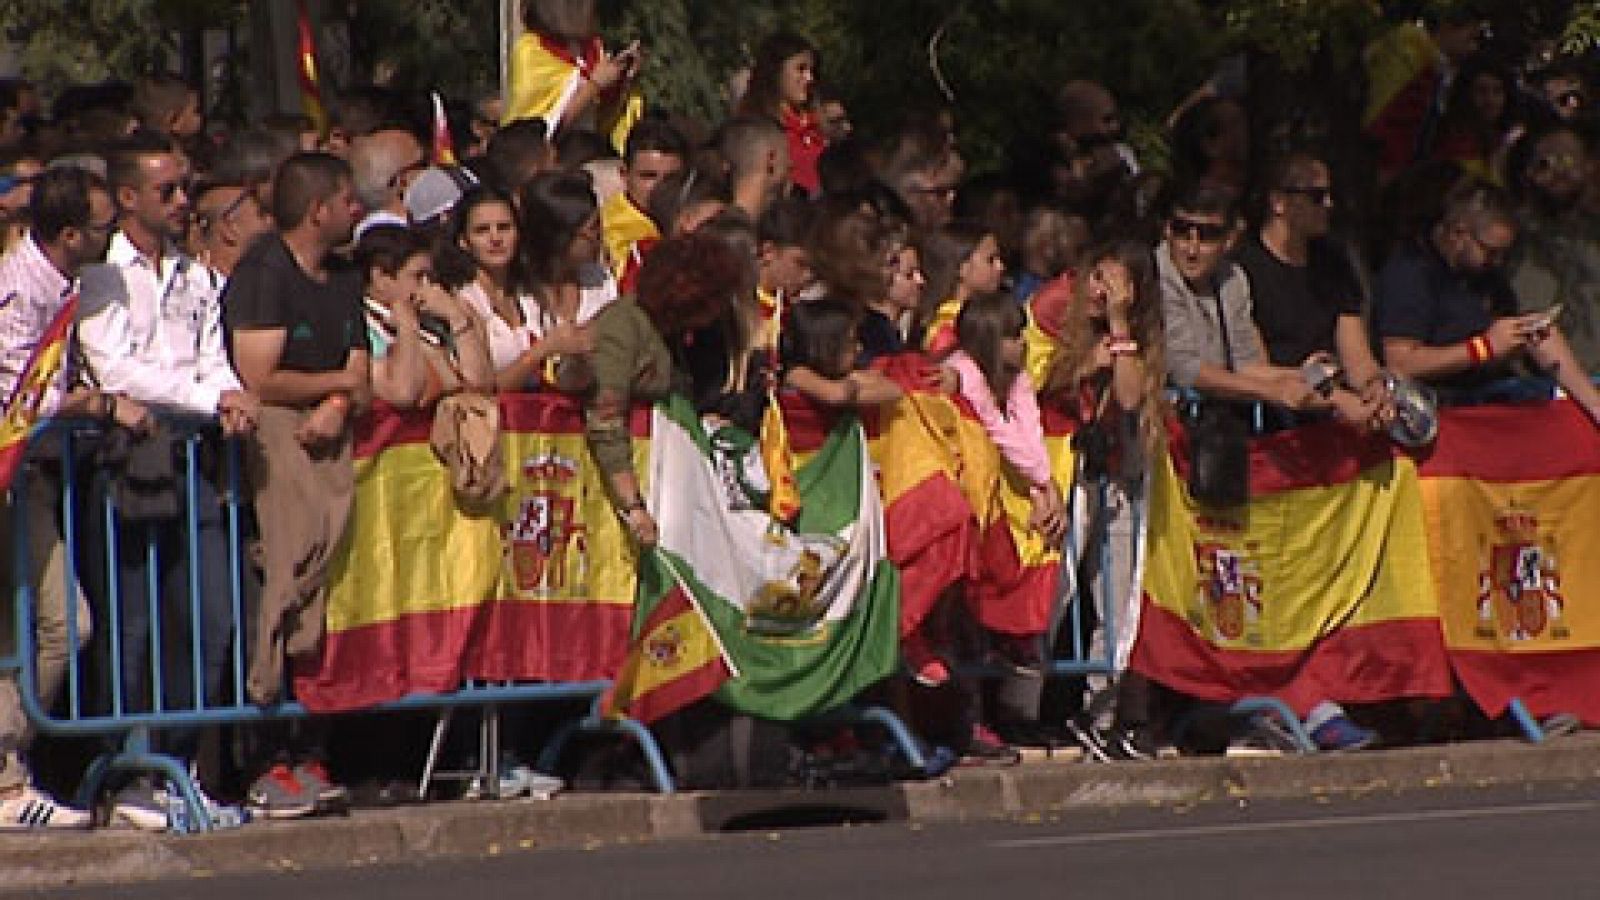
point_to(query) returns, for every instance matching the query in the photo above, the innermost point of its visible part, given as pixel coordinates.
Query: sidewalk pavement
(1032, 790)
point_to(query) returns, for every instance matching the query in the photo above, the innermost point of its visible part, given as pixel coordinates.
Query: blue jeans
(153, 556)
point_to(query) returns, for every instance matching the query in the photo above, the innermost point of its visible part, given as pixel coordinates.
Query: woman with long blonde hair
(1109, 376)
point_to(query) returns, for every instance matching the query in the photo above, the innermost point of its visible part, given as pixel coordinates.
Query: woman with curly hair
(1109, 375)
(687, 285)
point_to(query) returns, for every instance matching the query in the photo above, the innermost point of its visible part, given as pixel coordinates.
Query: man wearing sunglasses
(1447, 314)
(227, 218)
(151, 327)
(1214, 347)
(1304, 296)
(1556, 263)
(1212, 342)
(72, 216)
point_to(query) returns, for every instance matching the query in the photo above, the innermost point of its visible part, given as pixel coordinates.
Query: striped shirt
(32, 293)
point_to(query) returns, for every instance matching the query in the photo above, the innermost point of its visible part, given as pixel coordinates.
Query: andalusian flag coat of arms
(780, 621)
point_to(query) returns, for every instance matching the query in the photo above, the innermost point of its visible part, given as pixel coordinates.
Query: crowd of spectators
(278, 280)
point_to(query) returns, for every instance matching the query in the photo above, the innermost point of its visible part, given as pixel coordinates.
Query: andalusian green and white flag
(781, 622)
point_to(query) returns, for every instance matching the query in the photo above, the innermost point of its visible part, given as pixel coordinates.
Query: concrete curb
(470, 830)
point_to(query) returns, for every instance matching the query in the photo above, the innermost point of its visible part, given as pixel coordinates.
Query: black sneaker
(1091, 739)
(1021, 656)
(1131, 742)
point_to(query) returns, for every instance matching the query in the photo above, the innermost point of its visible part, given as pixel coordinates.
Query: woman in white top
(523, 334)
(567, 263)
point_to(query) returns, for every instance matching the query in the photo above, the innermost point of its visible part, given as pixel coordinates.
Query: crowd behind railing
(280, 279)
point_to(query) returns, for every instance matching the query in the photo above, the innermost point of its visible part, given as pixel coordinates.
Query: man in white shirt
(150, 325)
(71, 216)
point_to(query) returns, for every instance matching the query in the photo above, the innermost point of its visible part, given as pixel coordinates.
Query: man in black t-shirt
(1305, 298)
(293, 314)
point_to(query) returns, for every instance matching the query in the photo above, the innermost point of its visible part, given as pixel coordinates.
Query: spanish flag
(25, 408)
(539, 586)
(444, 145)
(1512, 499)
(629, 235)
(306, 59)
(1314, 590)
(545, 74)
(932, 531)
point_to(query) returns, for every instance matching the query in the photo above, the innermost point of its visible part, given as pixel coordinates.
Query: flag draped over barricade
(1512, 496)
(1316, 589)
(427, 592)
(780, 622)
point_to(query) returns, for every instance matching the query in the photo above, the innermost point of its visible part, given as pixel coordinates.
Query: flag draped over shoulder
(932, 530)
(26, 406)
(1312, 591)
(426, 592)
(1512, 497)
(546, 74)
(781, 623)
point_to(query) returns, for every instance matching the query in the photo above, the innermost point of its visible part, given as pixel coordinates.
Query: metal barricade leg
(593, 723)
(441, 727)
(1525, 721)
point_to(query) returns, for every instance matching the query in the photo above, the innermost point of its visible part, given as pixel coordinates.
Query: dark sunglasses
(166, 190)
(1319, 195)
(1570, 98)
(1209, 232)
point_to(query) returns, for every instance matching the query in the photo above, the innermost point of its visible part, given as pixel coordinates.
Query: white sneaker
(142, 805)
(31, 809)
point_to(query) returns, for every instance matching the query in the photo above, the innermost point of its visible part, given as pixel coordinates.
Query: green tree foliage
(65, 41)
(995, 63)
(420, 45)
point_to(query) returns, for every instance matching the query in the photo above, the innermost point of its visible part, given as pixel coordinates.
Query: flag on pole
(783, 504)
(444, 146)
(26, 405)
(310, 83)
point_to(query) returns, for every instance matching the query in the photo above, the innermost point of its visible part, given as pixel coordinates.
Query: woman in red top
(781, 83)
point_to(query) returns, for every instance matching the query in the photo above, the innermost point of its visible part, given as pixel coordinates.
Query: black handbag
(1092, 442)
(1219, 454)
(1219, 442)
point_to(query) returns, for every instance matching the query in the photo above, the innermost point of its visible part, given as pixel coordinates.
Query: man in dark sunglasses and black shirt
(1304, 295)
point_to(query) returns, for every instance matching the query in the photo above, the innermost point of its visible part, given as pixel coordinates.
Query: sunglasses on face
(1572, 99)
(166, 190)
(1206, 232)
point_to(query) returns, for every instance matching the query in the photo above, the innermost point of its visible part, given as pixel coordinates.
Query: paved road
(1459, 845)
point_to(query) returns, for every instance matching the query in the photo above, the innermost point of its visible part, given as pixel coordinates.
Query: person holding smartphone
(1447, 314)
(561, 73)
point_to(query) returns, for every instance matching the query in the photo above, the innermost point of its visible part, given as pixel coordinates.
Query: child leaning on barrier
(1109, 378)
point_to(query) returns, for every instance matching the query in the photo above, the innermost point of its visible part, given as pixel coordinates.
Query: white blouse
(508, 342)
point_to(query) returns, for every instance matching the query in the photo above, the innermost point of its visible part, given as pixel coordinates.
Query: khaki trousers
(302, 501)
(46, 570)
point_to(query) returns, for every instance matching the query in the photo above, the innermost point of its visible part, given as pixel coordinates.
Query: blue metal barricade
(107, 706)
